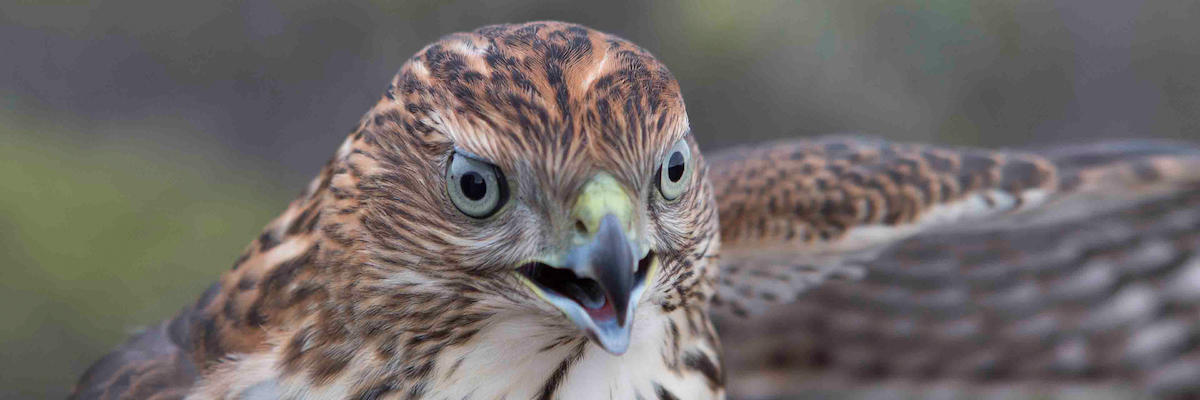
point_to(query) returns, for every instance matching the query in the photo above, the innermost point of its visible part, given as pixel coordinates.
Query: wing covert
(153, 364)
(1089, 286)
(796, 213)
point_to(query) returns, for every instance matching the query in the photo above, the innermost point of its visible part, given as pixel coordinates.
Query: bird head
(542, 169)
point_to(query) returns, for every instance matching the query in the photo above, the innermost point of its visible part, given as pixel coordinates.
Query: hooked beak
(598, 281)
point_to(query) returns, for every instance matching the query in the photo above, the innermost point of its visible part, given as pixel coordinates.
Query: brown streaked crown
(524, 92)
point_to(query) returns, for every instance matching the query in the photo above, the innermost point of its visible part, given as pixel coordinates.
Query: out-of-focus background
(144, 143)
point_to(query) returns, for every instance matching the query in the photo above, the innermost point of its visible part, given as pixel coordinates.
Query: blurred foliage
(143, 143)
(98, 240)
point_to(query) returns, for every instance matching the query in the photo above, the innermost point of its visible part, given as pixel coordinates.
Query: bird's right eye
(477, 188)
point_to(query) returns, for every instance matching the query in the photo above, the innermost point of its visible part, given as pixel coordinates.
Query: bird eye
(477, 188)
(675, 169)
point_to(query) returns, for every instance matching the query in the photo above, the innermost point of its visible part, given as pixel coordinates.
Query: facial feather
(374, 284)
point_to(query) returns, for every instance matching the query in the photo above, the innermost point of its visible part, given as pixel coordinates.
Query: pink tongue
(603, 313)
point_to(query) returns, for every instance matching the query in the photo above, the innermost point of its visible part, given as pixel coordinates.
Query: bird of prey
(525, 214)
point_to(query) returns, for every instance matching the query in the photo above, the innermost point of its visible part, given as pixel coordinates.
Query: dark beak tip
(612, 263)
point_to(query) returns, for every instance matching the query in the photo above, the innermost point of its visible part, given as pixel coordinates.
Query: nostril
(581, 227)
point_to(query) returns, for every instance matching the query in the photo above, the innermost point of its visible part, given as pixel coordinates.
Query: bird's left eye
(675, 169)
(477, 188)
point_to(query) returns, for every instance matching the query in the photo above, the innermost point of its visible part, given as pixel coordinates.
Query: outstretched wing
(1073, 264)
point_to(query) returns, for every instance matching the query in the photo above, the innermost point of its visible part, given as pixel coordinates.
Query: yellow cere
(603, 195)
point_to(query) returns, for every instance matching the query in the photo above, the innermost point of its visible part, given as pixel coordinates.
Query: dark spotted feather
(1092, 293)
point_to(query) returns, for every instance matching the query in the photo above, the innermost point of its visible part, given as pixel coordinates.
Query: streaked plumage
(395, 275)
(1093, 291)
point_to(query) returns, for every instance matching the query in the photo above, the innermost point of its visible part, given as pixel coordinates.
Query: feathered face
(541, 168)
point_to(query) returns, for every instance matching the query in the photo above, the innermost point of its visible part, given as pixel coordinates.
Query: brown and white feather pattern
(1074, 266)
(373, 285)
(796, 213)
(1093, 292)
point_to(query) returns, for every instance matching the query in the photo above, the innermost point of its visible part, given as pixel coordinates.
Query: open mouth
(585, 292)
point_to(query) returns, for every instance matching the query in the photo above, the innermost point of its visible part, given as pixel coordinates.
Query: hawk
(525, 214)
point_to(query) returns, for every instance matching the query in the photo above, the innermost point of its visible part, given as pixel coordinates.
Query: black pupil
(675, 167)
(473, 186)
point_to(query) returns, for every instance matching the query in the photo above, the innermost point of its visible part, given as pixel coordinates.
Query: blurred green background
(144, 143)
